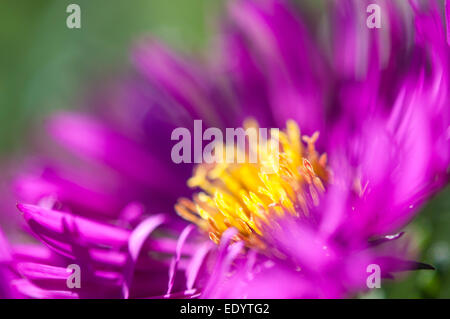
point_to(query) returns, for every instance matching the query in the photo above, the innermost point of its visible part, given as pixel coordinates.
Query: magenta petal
(93, 140)
(88, 230)
(39, 271)
(87, 197)
(141, 233)
(176, 259)
(194, 266)
(28, 289)
(178, 79)
(5, 250)
(137, 239)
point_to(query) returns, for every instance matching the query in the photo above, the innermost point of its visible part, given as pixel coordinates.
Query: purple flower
(312, 229)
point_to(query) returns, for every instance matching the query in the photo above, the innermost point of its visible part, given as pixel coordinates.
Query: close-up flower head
(233, 149)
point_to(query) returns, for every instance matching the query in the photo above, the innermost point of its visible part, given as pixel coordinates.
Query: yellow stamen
(245, 196)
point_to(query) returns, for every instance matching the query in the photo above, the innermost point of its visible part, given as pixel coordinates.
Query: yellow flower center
(245, 196)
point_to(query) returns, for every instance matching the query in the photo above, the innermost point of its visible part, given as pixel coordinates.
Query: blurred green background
(45, 66)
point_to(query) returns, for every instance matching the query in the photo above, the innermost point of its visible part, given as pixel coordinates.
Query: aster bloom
(325, 232)
(364, 142)
(313, 229)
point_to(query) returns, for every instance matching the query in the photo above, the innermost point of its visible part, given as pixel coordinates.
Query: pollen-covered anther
(250, 196)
